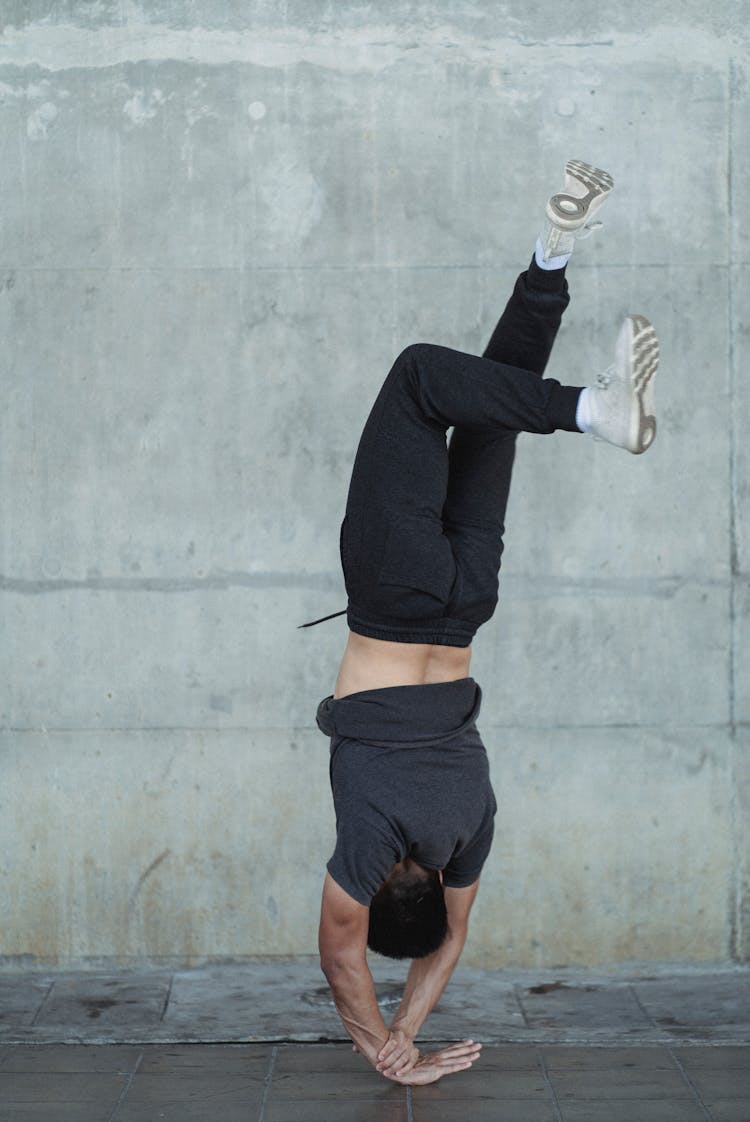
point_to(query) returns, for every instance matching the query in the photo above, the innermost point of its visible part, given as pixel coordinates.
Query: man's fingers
(456, 1053)
(391, 1060)
(395, 1061)
(403, 1063)
(461, 1049)
(445, 1066)
(454, 1066)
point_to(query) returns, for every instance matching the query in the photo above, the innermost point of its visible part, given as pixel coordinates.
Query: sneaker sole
(570, 212)
(644, 348)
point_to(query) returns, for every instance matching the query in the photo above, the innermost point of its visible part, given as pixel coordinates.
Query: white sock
(583, 412)
(552, 262)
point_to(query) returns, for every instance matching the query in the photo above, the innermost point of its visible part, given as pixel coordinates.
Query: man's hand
(428, 1069)
(398, 1055)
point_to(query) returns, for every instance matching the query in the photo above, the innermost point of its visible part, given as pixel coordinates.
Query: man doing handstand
(420, 546)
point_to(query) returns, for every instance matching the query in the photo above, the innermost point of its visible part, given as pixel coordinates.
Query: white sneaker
(621, 404)
(570, 212)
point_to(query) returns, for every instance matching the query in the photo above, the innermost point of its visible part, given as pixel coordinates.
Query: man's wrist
(403, 1024)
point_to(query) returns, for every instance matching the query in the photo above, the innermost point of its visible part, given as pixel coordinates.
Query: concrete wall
(219, 223)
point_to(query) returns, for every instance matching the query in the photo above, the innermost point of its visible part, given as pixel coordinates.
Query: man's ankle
(546, 280)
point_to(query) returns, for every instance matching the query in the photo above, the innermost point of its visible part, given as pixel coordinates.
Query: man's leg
(397, 560)
(408, 495)
(481, 463)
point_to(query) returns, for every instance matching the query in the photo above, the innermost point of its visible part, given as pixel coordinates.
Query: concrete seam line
(636, 997)
(50, 988)
(126, 1088)
(222, 580)
(693, 1089)
(167, 997)
(267, 1083)
(550, 1087)
(520, 1004)
(736, 934)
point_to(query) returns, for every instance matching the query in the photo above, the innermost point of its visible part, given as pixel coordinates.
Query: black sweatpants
(422, 537)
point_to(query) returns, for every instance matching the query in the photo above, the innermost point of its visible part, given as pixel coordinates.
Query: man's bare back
(372, 664)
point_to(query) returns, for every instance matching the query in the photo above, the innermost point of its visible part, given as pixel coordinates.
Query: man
(421, 544)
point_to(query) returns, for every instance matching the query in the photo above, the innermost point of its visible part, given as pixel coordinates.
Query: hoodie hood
(402, 715)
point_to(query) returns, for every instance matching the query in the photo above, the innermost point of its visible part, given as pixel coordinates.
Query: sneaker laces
(587, 230)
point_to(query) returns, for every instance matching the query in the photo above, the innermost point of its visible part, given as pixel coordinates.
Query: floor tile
(729, 1110)
(21, 995)
(625, 1073)
(500, 1110)
(238, 1059)
(727, 1083)
(257, 1001)
(475, 1085)
(623, 1110)
(268, 1002)
(389, 1107)
(71, 1058)
(319, 1058)
(317, 1085)
(111, 1001)
(686, 1004)
(561, 1060)
(65, 1087)
(570, 1006)
(64, 1112)
(186, 1087)
(620, 1084)
(477, 1004)
(227, 1109)
(721, 1057)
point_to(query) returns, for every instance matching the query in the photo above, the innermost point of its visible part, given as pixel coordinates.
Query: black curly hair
(408, 918)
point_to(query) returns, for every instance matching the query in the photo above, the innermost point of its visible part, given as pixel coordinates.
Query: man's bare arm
(342, 941)
(429, 976)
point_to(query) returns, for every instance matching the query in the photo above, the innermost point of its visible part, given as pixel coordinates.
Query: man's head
(407, 914)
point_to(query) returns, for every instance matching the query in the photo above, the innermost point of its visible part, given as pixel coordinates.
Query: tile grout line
(44, 1000)
(519, 1003)
(550, 1087)
(166, 999)
(637, 999)
(267, 1082)
(126, 1088)
(694, 1090)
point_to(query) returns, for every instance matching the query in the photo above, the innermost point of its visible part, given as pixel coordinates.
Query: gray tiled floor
(290, 1002)
(327, 1083)
(238, 1044)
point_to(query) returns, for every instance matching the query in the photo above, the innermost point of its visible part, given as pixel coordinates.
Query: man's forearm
(354, 996)
(427, 979)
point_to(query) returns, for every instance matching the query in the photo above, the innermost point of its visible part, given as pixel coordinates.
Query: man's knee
(419, 354)
(415, 363)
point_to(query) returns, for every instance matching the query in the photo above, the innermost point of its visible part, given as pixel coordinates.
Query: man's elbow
(455, 937)
(330, 967)
(338, 965)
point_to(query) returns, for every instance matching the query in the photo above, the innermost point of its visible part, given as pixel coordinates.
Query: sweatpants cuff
(561, 408)
(546, 280)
